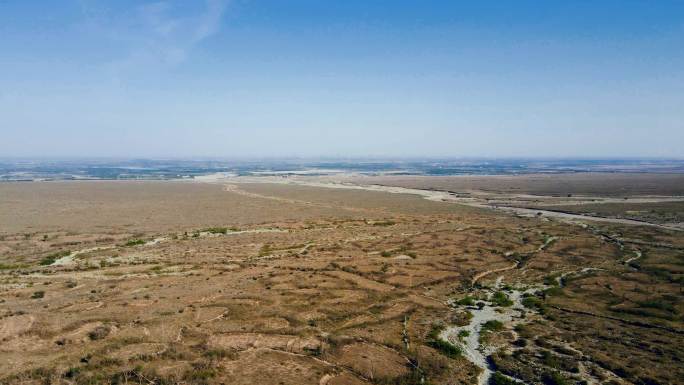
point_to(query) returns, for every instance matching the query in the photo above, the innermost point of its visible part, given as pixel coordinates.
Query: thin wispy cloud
(154, 34)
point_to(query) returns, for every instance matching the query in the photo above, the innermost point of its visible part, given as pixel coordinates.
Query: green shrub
(38, 294)
(50, 259)
(218, 354)
(200, 373)
(500, 379)
(492, 326)
(553, 291)
(554, 378)
(134, 242)
(216, 230)
(657, 304)
(501, 299)
(447, 348)
(434, 341)
(466, 301)
(98, 333)
(532, 302)
(11, 267)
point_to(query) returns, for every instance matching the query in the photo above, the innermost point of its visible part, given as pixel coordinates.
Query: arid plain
(294, 282)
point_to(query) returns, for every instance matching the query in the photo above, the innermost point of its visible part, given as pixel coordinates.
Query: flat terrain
(260, 283)
(646, 197)
(596, 184)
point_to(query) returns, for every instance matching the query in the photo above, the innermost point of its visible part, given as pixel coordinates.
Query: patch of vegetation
(12, 266)
(98, 333)
(384, 223)
(644, 312)
(552, 279)
(462, 318)
(548, 241)
(532, 302)
(434, 341)
(501, 299)
(553, 292)
(557, 362)
(658, 304)
(50, 259)
(38, 294)
(414, 377)
(499, 379)
(265, 250)
(466, 301)
(201, 373)
(492, 326)
(385, 254)
(134, 242)
(218, 354)
(554, 378)
(448, 349)
(216, 230)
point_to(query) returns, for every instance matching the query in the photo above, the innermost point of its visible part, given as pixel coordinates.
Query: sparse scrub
(532, 302)
(554, 378)
(216, 230)
(219, 354)
(492, 326)
(499, 379)
(50, 259)
(99, 333)
(134, 242)
(14, 266)
(434, 341)
(501, 299)
(553, 292)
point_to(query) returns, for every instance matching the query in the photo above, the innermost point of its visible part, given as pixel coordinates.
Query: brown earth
(315, 286)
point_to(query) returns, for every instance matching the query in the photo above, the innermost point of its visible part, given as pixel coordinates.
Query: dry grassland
(183, 283)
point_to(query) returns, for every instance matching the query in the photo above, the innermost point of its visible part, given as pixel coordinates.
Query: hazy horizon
(355, 79)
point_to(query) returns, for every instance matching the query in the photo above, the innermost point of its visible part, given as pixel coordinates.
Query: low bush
(500, 379)
(50, 259)
(384, 223)
(554, 378)
(134, 242)
(501, 299)
(532, 302)
(216, 230)
(98, 333)
(492, 326)
(446, 348)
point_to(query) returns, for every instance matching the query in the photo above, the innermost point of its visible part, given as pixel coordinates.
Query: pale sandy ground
(477, 199)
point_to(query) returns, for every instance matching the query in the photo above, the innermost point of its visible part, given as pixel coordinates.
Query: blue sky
(342, 78)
